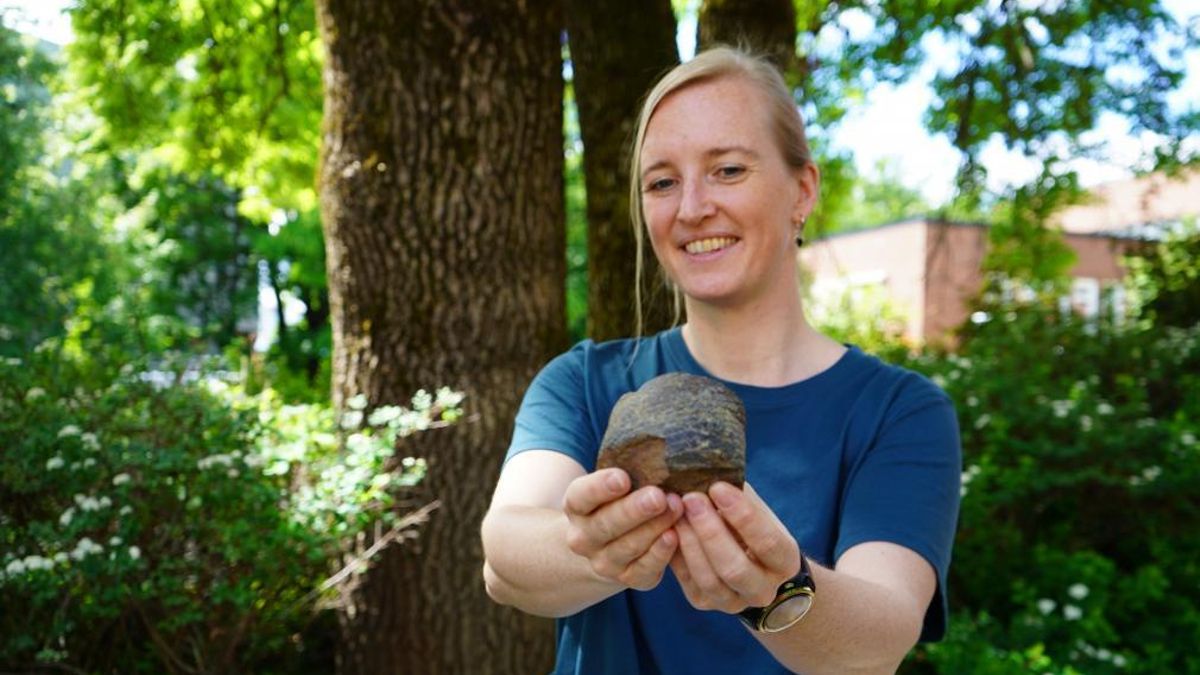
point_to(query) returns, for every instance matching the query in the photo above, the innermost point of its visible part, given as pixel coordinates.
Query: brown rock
(679, 431)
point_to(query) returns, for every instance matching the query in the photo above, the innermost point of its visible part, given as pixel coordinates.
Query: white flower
(1151, 473)
(213, 460)
(115, 541)
(357, 402)
(135, 552)
(37, 562)
(69, 430)
(54, 462)
(89, 463)
(1072, 613)
(1046, 605)
(15, 567)
(381, 416)
(90, 441)
(84, 548)
(60, 557)
(126, 510)
(972, 401)
(1104, 409)
(982, 421)
(1085, 422)
(422, 400)
(35, 392)
(1118, 660)
(351, 419)
(120, 479)
(65, 518)
(1078, 591)
(232, 473)
(448, 398)
(1187, 438)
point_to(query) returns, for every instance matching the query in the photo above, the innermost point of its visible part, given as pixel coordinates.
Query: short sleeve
(905, 488)
(554, 412)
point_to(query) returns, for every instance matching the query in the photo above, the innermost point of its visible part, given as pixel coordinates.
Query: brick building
(930, 270)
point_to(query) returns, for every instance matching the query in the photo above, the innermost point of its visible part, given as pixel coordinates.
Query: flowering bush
(1076, 547)
(152, 521)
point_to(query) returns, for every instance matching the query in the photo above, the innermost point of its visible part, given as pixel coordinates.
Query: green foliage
(1020, 245)
(156, 518)
(862, 316)
(230, 89)
(55, 258)
(216, 110)
(1081, 480)
(875, 199)
(576, 196)
(1164, 279)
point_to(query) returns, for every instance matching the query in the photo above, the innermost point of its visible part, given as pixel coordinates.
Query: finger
(617, 518)
(704, 588)
(759, 529)
(679, 567)
(588, 493)
(647, 571)
(725, 554)
(624, 550)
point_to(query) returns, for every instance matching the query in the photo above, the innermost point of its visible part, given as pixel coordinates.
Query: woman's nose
(695, 204)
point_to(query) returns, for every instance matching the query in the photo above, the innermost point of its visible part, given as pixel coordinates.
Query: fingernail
(614, 482)
(722, 495)
(650, 502)
(694, 504)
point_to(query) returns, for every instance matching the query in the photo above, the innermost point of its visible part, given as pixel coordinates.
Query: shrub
(1076, 547)
(161, 520)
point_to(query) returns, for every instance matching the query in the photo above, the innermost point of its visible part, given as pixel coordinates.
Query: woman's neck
(752, 346)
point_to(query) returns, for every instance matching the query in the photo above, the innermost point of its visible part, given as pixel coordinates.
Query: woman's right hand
(627, 537)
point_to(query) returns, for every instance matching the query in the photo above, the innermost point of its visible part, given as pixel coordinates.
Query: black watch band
(800, 589)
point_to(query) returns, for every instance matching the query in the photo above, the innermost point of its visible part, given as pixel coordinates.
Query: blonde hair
(712, 64)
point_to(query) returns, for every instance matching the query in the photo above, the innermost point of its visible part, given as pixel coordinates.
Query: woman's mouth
(709, 245)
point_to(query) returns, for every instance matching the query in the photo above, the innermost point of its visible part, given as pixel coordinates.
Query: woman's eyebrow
(727, 149)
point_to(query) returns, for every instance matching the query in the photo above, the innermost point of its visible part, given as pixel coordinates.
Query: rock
(679, 431)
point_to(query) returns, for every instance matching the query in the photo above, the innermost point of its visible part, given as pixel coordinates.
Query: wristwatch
(792, 601)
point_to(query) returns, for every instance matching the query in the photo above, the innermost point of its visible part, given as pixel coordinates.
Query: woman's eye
(660, 184)
(731, 171)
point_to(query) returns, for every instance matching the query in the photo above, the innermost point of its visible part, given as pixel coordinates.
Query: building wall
(891, 257)
(932, 270)
(955, 259)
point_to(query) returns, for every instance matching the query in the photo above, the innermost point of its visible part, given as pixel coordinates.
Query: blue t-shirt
(862, 451)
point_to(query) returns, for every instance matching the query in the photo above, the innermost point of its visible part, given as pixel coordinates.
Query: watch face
(787, 613)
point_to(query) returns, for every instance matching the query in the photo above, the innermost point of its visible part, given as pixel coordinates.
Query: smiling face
(720, 203)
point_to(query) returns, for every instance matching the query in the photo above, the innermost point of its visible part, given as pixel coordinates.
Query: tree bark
(767, 27)
(441, 191)
(618, 50)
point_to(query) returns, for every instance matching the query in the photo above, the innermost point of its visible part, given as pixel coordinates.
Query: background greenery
(172, 500)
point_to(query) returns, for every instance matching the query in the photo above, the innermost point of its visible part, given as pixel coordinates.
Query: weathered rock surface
(679, 431)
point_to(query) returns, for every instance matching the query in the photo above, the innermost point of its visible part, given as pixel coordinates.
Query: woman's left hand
(733, 551)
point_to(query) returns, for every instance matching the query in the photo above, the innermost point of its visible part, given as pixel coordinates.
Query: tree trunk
(767, 27)
(441, 193)
(618, 50)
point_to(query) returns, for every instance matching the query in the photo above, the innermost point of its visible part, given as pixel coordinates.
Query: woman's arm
(558, 539)
(867, 612)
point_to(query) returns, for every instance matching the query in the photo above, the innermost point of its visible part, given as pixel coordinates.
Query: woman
(853, 466)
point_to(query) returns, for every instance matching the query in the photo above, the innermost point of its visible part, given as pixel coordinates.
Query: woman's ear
(808, 180)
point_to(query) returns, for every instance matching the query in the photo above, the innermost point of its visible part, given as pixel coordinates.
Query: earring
(800, 233)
